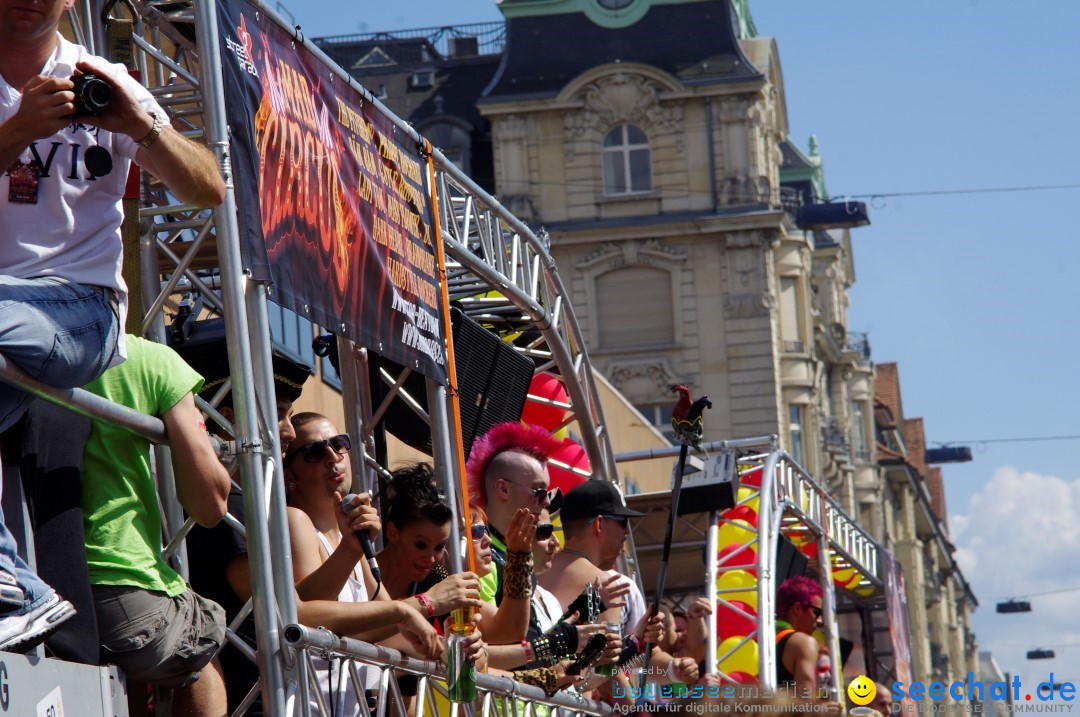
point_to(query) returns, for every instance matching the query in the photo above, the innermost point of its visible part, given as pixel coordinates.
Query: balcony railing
(858, 342)
(490, 36)
(833, 435)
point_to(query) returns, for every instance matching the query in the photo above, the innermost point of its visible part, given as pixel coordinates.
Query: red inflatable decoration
(742, 678)
(542, 414)
(573, 455)
(732, 624)
(752, 478)
(742, 512)
(737, 557)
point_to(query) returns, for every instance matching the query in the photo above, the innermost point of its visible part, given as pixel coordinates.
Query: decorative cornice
(632, 253)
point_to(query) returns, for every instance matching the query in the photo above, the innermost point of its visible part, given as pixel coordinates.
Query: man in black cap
(596, 522)
(218, 556)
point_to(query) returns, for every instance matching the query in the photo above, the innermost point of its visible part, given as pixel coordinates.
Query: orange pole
(451, 371)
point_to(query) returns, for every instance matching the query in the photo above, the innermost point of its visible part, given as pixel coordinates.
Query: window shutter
(635, 308)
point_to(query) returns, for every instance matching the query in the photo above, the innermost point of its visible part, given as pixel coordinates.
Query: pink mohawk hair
(510, 436)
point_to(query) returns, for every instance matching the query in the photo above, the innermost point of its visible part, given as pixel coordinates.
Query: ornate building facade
(649, 139)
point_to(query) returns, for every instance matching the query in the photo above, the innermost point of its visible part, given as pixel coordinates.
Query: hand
(522, 532)
(561, 678)
(650, 629)
(584, 630)
(46, 108)
(834, 708)
(475, 648)
(684, 669)
(457, 590)
(708, 680)
(124, 115)
(419, 632)
(363, 516)
(699, 608)
(612, 589)
(612, 649)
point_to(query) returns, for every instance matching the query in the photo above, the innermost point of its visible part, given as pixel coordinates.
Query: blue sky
(973, 295)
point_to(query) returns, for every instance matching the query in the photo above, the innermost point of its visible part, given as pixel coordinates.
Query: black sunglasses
(538, 493)
(544, 530)
(816, 610)
(479, 530)
(313, 452)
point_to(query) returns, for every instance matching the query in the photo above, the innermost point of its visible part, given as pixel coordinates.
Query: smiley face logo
(862, 690)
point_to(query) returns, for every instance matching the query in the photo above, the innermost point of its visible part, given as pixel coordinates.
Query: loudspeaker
(714, 487)
(790, 562)
(493, 381)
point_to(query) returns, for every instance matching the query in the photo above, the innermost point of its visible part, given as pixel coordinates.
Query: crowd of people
(93, 498)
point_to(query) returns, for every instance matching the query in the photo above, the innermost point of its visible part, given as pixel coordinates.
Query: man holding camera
(62, 296)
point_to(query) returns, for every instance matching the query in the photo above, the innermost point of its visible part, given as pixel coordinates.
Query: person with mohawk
(507, 474)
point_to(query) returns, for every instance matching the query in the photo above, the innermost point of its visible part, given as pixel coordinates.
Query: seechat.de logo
(974, 690)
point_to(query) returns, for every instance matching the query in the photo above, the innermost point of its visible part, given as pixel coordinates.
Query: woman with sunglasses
(549, 677)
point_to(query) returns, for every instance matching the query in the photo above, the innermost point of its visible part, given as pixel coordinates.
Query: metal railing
(502, 695)
(490, 36)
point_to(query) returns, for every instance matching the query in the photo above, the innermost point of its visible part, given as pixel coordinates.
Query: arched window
(635, 308)
(626, 161)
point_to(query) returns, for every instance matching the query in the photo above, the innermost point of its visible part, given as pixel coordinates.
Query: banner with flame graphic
(331, 198)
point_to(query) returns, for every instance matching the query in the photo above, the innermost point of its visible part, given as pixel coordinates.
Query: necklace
(576, 552)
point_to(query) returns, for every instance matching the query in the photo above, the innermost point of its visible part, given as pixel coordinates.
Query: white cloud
(1020, 535)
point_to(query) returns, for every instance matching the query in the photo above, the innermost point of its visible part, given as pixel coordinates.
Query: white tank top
(344, 696)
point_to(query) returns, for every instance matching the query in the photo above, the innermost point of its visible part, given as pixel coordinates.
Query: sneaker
(21, 633)
(11, 595)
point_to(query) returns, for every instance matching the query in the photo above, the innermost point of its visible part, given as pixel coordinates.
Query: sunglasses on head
(544, 530)
(479, 530)
(313, 452)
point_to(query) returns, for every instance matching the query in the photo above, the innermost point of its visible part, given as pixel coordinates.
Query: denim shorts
(63, 334)
(155, 638)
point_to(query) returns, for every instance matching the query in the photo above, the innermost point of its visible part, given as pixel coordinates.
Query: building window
(858, 432)
(795, 433)
(626, 161)
(635, 307)
(291, 334)
(659, 416)
(790, 326)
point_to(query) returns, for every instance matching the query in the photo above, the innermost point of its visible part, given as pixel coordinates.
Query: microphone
(347, 504)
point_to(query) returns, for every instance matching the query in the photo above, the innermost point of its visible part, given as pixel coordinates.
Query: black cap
(593, 498)
(205, 351)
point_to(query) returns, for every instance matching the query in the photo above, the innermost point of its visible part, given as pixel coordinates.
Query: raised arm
(202, 483)
(188, 169)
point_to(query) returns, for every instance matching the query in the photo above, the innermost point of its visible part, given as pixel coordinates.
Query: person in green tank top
(152, 625)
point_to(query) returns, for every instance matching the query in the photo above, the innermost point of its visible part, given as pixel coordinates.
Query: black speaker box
(493, 381)
(790, 562)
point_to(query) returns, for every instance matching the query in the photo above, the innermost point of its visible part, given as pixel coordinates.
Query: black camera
(92, 94)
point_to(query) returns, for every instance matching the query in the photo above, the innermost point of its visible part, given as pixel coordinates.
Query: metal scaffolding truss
(790, 503)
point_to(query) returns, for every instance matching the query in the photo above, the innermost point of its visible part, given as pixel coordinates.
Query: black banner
(330, 194)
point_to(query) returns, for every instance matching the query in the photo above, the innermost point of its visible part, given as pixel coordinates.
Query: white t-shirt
(73, 230)
(547, 608)
(634, 609)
